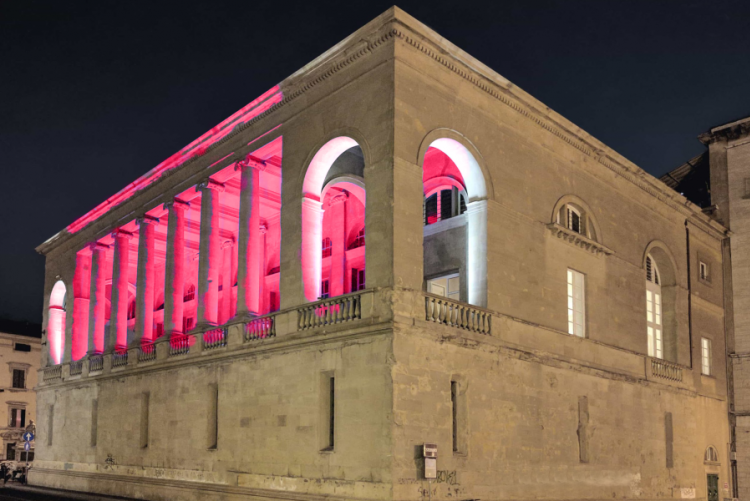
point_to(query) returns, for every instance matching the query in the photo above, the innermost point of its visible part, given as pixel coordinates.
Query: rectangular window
(576, 304)
(21, 347)
(706, 356)
(94, 421)
(144, 419)
(213, 416)
(654, 320)
(10, 452)
(358, 280)
(50, 423)
(327, 411)
(187, 324)
(17, 418)
(324, 289)
(19, 378)
(454, 407)
(703, 270)
(448, 286)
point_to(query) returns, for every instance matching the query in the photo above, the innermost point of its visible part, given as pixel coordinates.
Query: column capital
(97, 246)
(210, 184)
(337, 199)
(146, 219)
(227, 243)
(120, 233)
(250, 161)
(176, 203)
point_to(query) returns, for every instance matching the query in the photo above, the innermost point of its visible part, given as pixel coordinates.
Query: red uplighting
(194, 149)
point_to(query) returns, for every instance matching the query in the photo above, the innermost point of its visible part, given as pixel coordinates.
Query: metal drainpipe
(690, 294)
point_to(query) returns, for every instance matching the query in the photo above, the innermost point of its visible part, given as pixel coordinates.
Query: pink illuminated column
(225, 312)
(174, 274)
(248, 242)
(81, 292)
(337, 218)
(262, 230)
(209, 262)
(312, 252)
(118, 322)
(97, 305)
(144, 295)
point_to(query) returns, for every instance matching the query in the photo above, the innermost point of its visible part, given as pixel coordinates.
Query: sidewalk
(15, 491)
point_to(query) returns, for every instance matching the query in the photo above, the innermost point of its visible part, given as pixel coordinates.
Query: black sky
(94, 94)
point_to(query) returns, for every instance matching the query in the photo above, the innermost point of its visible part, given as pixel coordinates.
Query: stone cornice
(396, 24)
(579, 240)
(728, 132)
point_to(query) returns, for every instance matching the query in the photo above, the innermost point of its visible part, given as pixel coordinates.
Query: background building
(20, 353)
(718, 180)
(394, 246)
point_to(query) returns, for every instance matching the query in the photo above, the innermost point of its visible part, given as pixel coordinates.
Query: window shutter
(23, 418)
(649, 269)
(446, 204)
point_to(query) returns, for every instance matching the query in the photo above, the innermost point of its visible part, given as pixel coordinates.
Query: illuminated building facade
(393, 246)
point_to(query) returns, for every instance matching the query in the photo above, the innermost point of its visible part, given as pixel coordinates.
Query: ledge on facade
(579, 240)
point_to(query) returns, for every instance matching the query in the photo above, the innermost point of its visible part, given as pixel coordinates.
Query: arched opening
(56, 322)
(333, 209)
(575, 215)
(661, 297)
(455, 223)
(711, 456)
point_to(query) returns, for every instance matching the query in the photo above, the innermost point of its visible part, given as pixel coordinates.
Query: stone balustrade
(666, 370)
(119, 358)
(96, 363)
(215, 338)
(146, 352)
(442, 310)
(260, 328)
(76, 367)
(331, 311)
(54, 372)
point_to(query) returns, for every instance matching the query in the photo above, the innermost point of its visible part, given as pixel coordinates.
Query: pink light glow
(194, 149)
(56, 322)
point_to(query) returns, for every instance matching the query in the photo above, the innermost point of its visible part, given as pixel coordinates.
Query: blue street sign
(26, 446)
(28, 437)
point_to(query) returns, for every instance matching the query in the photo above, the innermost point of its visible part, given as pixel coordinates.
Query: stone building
(20, 353)
(394, 246)
(718, 180)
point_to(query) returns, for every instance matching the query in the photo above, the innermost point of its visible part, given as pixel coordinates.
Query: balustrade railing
(96, 363)
(215, 338)
(54, 372)
(666, 370)
(76, 367)
(179, 345)
(444, 311)
(330, 311)
(260, 328)
(146, 352)
(119, 358)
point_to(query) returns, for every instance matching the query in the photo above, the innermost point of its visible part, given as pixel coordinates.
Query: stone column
(225, 312)
(174, 271)
(76, 348)
(312, 252)
(210, 255)
(98, 299)
(144, 295)
(248, 241)
(262, 230)
(118, 318)
(337, 221)
(476, 256)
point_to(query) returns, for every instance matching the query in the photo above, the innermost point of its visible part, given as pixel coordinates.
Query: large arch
(56, 322)
(469, 177)
(333, 189)
(667, 266)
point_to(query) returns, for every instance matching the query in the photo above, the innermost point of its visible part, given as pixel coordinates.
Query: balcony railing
(444, 311)
(120, 358)
(179, 345)
(215, 338)
(330, 311)
(260, 328)
(96, 363)
(146, 352)
(76, 367)
(666, 370)
(54, 372)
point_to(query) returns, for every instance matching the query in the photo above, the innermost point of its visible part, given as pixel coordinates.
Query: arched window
(444, 204)
(711, 455)
(359, 240)
(575, 217)
(189, 293)
(654, 329)
(56, 322)
(327, 247)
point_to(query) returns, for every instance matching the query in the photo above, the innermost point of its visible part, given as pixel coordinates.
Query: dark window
(324, 290)
(431, 210)
(454, 407)
(442, 205)
(331, 412)
(10, 452)
(187, 324)
(21, 347)
(19, 378)
(273, 300)
(359, 240)
(17, 418)
(358, 279)
(274, 270)
(327, 247)
(159, 330)
(131, 310)
(189, 294)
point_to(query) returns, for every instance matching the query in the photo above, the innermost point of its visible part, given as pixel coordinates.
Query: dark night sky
(94, 94)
